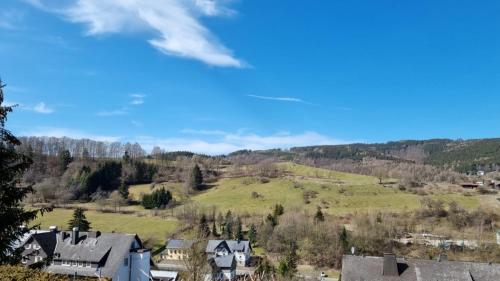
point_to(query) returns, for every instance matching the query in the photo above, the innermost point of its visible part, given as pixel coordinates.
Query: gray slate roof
(224, 262)
(179, 244)
(234, 245)
(357, 268)
(110, 248)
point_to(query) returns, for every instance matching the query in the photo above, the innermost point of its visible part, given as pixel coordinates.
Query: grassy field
(136, 191)
(153, 228)
(335, 192)
(236, 195)
(333, 176)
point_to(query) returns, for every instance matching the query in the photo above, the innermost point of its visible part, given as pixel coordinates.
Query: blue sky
(219, 75)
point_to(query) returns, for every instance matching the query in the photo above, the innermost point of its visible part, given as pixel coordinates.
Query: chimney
(390, 265)
(53, 228)
(442, 257)
(74, 236)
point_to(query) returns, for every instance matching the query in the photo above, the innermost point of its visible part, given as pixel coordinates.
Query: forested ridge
(459, 155)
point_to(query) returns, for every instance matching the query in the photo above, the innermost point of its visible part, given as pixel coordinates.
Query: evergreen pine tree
(79, 220)
(228, 226)
(319, 217)
(64, 160)
(278, 210)
(203, 229)
(272, 220)
(12, 214)
(214, 229)
(239, 230)
(123, 189)
(343, 238)
(252, 234)
(287, 266)
(195, 178)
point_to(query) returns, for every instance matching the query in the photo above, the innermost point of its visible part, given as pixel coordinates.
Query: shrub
(25, 274)
(264, 180)
(157, 199)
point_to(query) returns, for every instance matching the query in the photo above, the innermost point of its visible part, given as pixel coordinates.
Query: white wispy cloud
(116, 112)
(284, 99)
(137, 99)
(65, 132)
(203, 132)
(136, 123)
(176, 23)
(9, 18)
(229, 142)
(41, 107)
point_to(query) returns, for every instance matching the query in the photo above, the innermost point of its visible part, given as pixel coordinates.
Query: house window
(88, 264)
(27, 246)
(36, 247)
(74, 263)
(65, 263)
(125, 262)
(80, 264)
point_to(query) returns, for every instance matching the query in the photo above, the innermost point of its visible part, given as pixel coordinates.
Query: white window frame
(27, 246)
(36, 246)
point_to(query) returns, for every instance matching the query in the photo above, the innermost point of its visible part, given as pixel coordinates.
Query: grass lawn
(153, 228)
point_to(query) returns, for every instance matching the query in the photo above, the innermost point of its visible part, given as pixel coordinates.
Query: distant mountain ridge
(460, 155)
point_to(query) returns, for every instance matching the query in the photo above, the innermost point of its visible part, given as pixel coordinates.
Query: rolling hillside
(461, 155)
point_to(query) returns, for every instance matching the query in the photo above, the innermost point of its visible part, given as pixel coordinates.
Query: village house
(223, 267)
(241, 250)
(177, 250)
(116, 256)
(38, 246)
(388, 267)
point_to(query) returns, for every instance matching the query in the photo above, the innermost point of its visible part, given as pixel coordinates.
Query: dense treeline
(79, 148)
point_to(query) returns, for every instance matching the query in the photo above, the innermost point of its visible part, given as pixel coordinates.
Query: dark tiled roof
(234, 245)
(179, 244)
(47, 241)
(107, 248)
(357, 268)
(224, 262)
